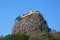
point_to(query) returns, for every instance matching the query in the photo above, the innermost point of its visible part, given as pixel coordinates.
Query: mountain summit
(30, 23)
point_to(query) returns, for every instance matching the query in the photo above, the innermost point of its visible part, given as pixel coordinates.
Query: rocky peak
(30, 23)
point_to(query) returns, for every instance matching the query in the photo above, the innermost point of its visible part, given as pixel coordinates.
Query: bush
(42, 36)
(18, 18)
(15, 37)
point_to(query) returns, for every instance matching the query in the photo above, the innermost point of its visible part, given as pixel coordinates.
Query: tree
(57, 35)
(18, 18)
(33, 37)
(1, 37)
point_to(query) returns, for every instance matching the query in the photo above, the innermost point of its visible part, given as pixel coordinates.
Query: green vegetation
(40, 36)
(18, 18)
(15, 37)
(1, 37)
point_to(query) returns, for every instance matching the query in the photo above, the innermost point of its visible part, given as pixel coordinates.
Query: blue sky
(10, 9)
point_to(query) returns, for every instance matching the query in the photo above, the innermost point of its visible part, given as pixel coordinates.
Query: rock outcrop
(30, 23)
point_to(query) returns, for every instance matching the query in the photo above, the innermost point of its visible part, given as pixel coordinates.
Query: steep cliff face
(31, 23)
